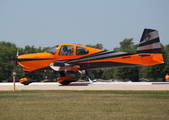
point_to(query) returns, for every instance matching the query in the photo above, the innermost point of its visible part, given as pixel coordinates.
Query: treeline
(9, 50)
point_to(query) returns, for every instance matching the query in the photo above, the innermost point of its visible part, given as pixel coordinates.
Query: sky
(47, 23)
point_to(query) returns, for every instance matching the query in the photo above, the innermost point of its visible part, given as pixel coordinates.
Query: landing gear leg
(85, 75)
(62, 73)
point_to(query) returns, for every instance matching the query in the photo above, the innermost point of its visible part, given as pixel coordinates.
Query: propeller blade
(15, 65)
(17, 53)
(15, 59)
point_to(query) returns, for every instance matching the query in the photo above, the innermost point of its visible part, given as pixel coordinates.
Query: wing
(58, 66)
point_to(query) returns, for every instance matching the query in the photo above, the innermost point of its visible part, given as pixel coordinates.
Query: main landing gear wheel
(65, 83)
(67, 80)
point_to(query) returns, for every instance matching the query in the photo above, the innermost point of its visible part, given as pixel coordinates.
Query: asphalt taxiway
(89, 86)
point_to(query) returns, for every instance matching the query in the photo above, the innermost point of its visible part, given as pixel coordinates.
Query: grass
(86, 105)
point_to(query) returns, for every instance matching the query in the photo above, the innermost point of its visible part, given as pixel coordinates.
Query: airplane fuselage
(93, 59)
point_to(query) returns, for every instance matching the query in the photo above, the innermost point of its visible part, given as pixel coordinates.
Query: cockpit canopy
(52, 50)
(68, 50)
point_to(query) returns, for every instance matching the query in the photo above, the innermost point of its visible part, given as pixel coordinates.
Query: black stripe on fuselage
(100, 57)
(108, 64)
(101, 53)
(33, 59)
(97, 54)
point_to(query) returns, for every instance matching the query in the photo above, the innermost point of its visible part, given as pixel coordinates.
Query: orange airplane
(72, 57)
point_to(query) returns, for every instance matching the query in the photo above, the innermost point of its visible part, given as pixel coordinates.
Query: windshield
(52, 50)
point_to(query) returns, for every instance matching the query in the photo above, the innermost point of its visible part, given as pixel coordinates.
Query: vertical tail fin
(150, 42)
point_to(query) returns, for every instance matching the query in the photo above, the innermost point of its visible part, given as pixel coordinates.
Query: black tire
(26, 84)
(65, 83)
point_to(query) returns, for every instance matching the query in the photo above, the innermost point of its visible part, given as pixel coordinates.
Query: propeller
(15, 60)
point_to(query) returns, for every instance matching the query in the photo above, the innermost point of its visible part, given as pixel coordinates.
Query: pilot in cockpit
(65, 51)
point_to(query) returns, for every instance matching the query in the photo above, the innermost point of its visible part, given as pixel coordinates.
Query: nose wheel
(26, 81)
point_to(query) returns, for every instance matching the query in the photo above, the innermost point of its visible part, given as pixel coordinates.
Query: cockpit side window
(52, 50)
(66, 50)
(81, 51)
